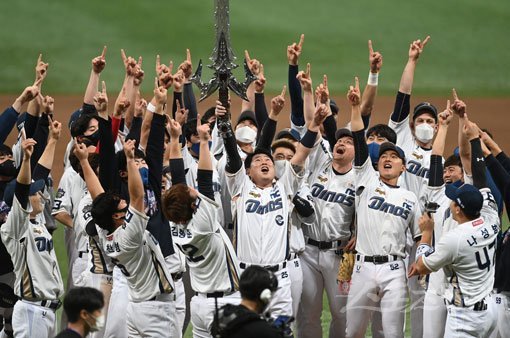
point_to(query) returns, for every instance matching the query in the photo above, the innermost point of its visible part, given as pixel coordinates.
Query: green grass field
(467, 49)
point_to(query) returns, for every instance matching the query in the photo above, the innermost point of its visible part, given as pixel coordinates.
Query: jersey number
(190, 252)
(487, 264)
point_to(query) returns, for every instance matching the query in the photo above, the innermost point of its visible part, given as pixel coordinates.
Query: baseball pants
(320, 269)
(296, 281)
(104, 284)
(203, 310)
(6, 312)
(502, 304)
(434, 315)
(33, 321)
(281, 303)
(116, 326)
(180, 303)
(372, 283)
(72, 254)
(153, 318)
(465, 322)
(416, 295)
(80, 272)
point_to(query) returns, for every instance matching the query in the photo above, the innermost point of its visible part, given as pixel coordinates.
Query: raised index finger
(325, 80)
(123, 55)
(308, 69)
(301, 40)
(103, 86)
(158, 61)
(103, 54)
(425, 41)
(356, 82)
(188, 55)
(156, 83)
(370, 48)
(284, 90)
(454, 92)
(39, 59)
(247, 56)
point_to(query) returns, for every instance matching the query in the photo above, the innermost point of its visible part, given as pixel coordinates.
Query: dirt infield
(490, 113)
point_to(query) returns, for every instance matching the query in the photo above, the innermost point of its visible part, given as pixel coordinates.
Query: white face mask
(246, 134)
(424, 133)
(99, 324)
(279, 168)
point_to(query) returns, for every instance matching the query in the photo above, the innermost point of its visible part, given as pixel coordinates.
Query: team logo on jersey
(38, 231)
(279, 220)
(322, 178)
(380, 191)
(60, 193)
(380, 204)
(417, 169)
(417, 156)
(346, 198)
(254, 194)
(254, 206)
(87, 211)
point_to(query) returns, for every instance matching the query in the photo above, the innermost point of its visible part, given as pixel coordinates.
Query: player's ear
(247, 171)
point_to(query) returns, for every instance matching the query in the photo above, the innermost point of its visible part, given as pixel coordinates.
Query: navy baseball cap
(342, 132)
(387, 146)
(423, 108)
(248, 115)
(35, 187)
(288, 133)
(467, 197)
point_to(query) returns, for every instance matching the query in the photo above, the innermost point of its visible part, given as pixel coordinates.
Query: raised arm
(93, 185)
(135, 184)
(254, 66)
(357, 126)
(477, 159)
(133, 92)
(436, 159)
(205, 166)
(176, 161)
(296, 98)
(98, 64)
(190, 102)
(305, 80)
(260, 104)
(269, 128)
(459, 108)
(369, 94)
(47, 157)
(41, 70)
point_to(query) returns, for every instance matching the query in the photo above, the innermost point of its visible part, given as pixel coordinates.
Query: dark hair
(382, 130)
(189, 128)
(453, 160)
(5, 150)
(249, 158)
(208, 114)
(75, 162)
(81, 124)
(283, 143)
(122, 161)
(177, 203)
(256, 279)
(82, 298)
(103, 208)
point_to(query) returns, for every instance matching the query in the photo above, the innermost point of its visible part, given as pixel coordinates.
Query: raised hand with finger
(140, 105)
(322, 91)
(81, 151)
(294, 51)
(253, 64)
(138, 73)
(277, 104)
(41, 69)
(305, 79)
(47, 104)
(458, 106)
(320, 114)
(375, 59)
(203, 130)
(55, 128)
(186, 66)
(99, 62)
(416, 48)
(28, 148)
(101, 100)
(129, 63)
(445, 117)
(179, 80)
(121, 105)
(181, 114)
(261, 80)
(354, 95)
(164, 73)
(160, 95)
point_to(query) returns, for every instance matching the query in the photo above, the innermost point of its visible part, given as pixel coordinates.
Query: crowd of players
(152, 192)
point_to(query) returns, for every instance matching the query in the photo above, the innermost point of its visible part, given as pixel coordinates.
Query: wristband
(309, 138)
(423, 250)
(373, 79)
(151, 107)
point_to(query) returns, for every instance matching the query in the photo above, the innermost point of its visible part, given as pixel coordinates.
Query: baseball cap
(387, 146)
(247, 115)
(249, 158)
(467, 197)
(289, 134)
(35, 187)
(342, 132)
(334, 107)
(425, 107)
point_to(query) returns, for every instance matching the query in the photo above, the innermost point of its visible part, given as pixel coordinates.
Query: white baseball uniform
(333, 197)
(466, 254)
(213, 265)
(151, 308)
(384, 214)
(176, 264)
(38, 280)
(261, 228)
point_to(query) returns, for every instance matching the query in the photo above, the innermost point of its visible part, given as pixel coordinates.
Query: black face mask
(91, 140)
(8, 168)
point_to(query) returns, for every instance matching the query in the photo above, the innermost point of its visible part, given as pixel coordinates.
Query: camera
(431, 207)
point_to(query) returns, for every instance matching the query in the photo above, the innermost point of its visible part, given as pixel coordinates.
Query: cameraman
(257, 285)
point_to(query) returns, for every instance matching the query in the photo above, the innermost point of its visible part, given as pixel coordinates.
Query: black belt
(378, 259)
(50, 304)
(177, 275)
(82, 253)
(218, 294)
(272, 268)
(324, 245)
(480, 305)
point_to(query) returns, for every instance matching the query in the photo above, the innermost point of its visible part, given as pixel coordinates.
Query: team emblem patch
(38, 231)
(279, 220)
(60, 193)
(254, 194)
(417, 156)
(380, 191)
(322, 178)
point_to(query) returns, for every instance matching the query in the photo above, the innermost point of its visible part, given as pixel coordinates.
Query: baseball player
(385, 212)
(38, 281)
(467, 255)
(198, 234)
(332, 185)
(261, 204)
(151, 307)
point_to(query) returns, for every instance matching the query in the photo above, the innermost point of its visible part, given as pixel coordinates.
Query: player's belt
(272, 268)
(324, 245)
(82, 254)
(478, 306)
(50, 304)
(293, 256)
(176, 276)
(377, 259)
(218, 294)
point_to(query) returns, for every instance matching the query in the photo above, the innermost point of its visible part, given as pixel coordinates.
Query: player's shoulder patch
(322, 178)
(417, 155)
(254, 194)
(380, 191)
(60, 193)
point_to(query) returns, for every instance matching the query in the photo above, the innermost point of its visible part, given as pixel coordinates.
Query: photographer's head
(83, 307)
(257, 286)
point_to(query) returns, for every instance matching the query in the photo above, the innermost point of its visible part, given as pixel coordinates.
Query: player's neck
(342, 167)
(263, 183)
(250, 305)
(393, 182)
(78, 327)
(424, 145)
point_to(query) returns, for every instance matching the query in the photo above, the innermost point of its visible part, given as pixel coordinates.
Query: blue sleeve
(402, 107)
(296, 99)
(154, 157)
(7, 121)
(260, 109)
(189, 101)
